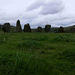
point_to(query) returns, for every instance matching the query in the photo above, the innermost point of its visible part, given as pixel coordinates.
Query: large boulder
(47, 28)
(39, 29)
(61, 29)
(6, 27)
(27, 28)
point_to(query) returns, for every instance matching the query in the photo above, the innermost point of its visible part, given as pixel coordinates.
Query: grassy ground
(37, 54)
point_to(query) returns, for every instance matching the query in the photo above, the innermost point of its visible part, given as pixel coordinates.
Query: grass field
(37, 54)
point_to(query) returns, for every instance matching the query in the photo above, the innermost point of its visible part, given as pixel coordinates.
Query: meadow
(37, 53)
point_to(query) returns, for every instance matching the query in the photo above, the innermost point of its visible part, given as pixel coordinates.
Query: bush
(27, 28)
(39, 29)
(18, 26)
(47, 28)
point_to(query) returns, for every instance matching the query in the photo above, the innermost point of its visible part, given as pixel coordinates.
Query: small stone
(4, 39)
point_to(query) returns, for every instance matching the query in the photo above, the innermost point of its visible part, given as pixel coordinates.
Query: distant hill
(70, 27)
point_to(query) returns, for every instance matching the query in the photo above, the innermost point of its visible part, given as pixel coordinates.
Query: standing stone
(47, 28)
(6, 27)
(18, 26)
(39, 29)
(61, 29)
(27, 28)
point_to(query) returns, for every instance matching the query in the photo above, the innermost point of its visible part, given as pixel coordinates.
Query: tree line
(27, 28)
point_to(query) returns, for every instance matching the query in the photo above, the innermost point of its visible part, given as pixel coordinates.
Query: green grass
(37, 54)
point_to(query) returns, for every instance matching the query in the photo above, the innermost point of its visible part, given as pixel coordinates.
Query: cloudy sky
(38, 12)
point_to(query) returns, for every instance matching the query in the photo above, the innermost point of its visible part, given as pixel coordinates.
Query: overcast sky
(38, 12)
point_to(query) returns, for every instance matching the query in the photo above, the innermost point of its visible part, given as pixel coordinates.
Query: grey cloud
(52, 8)
(35, 5)
(47, 7)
